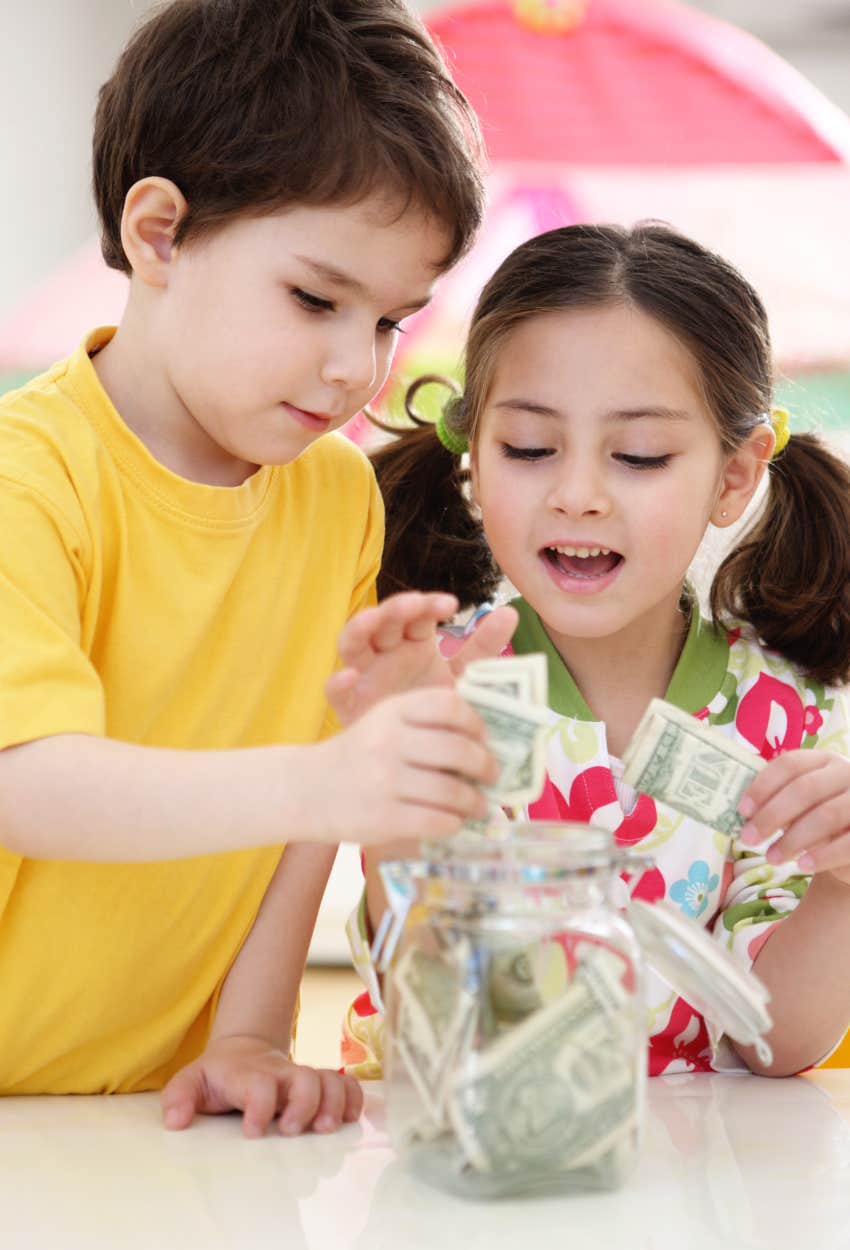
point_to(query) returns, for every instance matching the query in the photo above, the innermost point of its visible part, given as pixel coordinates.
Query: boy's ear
(153, 209)
(741, 475)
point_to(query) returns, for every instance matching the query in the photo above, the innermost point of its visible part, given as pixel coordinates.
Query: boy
(284, 183)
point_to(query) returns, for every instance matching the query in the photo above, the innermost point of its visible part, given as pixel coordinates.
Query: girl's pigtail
(790, 575)
(433, 540)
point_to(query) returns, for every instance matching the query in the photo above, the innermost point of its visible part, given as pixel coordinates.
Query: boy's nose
(352, 363)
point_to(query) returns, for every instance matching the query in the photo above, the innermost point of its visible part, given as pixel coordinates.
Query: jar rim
(523, 851)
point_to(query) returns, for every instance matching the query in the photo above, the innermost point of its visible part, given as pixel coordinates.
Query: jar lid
(703, 973)
(517, 852)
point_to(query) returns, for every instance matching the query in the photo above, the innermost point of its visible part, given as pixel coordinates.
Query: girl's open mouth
(587, 563)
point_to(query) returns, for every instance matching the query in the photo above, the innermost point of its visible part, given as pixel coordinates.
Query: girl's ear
(741, 475)
(153, 209)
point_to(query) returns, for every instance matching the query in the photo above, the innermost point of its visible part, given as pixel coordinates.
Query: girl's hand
(412, 767)
(247, 1074)
(807, 795)
(393, 647)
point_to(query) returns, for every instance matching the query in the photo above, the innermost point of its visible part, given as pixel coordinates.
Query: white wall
(56, 55)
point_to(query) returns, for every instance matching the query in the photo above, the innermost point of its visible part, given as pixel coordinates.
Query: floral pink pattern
(770, 716)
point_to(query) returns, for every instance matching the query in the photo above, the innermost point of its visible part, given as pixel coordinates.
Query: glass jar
(516, 1028)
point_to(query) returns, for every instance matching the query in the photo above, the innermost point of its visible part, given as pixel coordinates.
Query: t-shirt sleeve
(364, 589)
(48, 684)
(760, 895)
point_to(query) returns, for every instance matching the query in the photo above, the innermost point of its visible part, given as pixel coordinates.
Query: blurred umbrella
(618, 111)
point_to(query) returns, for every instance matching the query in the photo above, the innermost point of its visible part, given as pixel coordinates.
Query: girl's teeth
(583, 552)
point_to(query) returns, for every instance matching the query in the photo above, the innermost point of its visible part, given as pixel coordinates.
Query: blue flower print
(691, 892)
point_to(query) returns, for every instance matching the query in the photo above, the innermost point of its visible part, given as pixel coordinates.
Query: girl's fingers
(820, 824)
(829, 856)
(302, 1096)
(779, 773)
(804, 792)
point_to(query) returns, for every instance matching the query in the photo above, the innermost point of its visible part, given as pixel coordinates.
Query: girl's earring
(723, 514)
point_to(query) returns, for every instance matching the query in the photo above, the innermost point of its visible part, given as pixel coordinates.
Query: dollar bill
(555, 1092)
(434, 1011)
(515, 736)
(693, 768)
(522, 677)
(522, 980)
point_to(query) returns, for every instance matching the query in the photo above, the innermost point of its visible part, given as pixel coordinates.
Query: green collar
(696, 679)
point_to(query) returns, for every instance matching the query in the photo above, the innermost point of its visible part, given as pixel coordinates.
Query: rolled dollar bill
(693, 768)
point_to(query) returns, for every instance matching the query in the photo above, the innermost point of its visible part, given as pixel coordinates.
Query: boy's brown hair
(250, 105)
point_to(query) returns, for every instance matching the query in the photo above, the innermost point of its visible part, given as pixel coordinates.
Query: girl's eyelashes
(386, 326)
(644, 462)
(510, 452)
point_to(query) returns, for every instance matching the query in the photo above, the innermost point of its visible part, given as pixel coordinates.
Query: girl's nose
(579, 490)
(352, 362)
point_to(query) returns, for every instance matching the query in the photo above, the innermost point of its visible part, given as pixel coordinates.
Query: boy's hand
(807, 795)
(393, 647)
(247, 1074)
(412, 767)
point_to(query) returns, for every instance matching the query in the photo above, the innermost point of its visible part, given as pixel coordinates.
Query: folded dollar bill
(690, 766)
(509, 694)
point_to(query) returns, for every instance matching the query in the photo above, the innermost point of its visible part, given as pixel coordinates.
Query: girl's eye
(386, 326)
(644, 462)
(525, 453)
(312, 303)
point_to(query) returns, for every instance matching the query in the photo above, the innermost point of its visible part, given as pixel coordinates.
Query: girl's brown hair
(251, 105)
(788, 577)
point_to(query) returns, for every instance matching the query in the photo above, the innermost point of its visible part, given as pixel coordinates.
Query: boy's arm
(246, 1063)
(411, 767)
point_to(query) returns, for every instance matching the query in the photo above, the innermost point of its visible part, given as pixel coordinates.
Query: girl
(618, 406)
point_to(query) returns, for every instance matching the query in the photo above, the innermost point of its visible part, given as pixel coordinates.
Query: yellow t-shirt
(138, 605)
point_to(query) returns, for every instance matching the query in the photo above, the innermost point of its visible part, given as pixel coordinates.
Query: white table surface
(733, 1161)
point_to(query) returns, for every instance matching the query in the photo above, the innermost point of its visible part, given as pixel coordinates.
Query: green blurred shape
(817, 401)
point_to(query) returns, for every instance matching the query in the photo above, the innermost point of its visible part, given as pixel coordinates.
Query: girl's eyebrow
(338, 278)
(617, 414)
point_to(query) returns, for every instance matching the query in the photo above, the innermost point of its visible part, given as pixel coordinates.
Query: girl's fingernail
(750, 835)
(775, 855)
(746, 807)
(806, 862)
(290, 1127)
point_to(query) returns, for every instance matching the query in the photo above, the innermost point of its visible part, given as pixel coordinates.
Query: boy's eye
(386, 326)
(643, 462)
(525, 453)
(313, 303)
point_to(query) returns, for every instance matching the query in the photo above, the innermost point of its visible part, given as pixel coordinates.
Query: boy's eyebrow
(341, 279)
(617, 414)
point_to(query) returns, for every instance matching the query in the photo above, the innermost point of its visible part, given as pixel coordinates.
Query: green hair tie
(451, 440)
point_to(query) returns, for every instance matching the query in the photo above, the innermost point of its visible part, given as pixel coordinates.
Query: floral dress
(755, 698)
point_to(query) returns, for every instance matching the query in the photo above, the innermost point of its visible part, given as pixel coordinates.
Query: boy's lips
(310, 420)
(581, 568)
